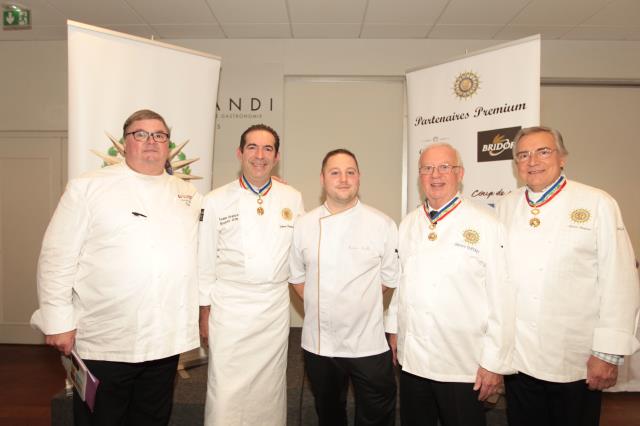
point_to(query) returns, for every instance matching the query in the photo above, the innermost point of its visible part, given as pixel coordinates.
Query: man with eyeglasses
(245, 236)
(573, 266)
(451, 318)
(117, 278)
(343, 258)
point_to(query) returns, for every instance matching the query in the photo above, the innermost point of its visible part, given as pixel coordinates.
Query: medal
(261, 192)
(260, 210)
(555, 189)
(437, 216)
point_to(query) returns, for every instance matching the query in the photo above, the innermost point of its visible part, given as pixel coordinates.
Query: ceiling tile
(485, 12)
(394, 31)
(558, 13)
(189, 31)
(373, 19)
(617, 13)
(326, 30)
(514, 32)
(185, 12)
(97, 12)
(584, 32)
(482, 32)
(257, 30)
(247, 11)
(405, 12)
(326, 11)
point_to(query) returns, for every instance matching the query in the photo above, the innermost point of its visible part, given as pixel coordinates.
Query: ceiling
(338, 19)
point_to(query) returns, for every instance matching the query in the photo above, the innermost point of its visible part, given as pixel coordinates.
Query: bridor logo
(496, 144)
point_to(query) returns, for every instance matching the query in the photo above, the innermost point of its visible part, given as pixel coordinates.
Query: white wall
(34, 79)
(33, 94)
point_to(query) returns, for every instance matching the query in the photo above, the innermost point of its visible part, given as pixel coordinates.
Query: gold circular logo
(580, 215)
(466, 85)
(287, 214)
(471, 236)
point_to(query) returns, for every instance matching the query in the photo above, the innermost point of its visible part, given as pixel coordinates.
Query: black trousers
(424, 401)
(373, 382)
(532, 401)
(129, 393)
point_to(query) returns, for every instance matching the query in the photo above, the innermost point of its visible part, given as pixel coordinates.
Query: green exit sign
(16, 19)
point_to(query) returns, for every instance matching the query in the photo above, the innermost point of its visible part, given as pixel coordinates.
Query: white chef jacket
(576, 283)
(453, 310)
(243, 271)
(118, 263)
(343, 259)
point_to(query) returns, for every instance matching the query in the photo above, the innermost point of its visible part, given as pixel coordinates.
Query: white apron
(248, 354)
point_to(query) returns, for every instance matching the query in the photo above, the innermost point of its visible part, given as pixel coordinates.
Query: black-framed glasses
(542, 153)
(143, 136)
(443, 169)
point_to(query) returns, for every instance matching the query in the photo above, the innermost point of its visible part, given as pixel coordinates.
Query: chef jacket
(118, 263)
(576, 282)
(343, 259)
(239, 245)
(453, 310)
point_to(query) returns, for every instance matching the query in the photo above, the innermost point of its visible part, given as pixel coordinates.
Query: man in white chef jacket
(243, 255)
(452, 316)
(573, 267)
(343, 258)
(117, 278)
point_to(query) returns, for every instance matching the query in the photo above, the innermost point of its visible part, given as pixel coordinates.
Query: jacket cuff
(613, 341)
(54, 320)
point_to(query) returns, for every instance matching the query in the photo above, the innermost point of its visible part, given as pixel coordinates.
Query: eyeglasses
(443, 169)
(542, 153)
(143, 136)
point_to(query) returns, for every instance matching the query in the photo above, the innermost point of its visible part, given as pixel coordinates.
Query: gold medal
(260, 210)
(432, 236)
(535, 211)
(534, 222)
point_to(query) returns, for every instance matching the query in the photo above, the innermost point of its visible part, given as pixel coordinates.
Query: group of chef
(539, 295)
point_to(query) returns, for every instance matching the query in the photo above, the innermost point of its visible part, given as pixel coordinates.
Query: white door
(362, 114)
(31, 178)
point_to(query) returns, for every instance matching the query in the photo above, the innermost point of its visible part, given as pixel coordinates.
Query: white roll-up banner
(112, 75)
(476, 103)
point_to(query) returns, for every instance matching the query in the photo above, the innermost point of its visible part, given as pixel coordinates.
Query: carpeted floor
(188, 408)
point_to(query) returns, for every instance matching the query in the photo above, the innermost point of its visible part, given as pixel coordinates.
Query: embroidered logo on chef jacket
(185, 198)
(580, 216)
(471, 236)
(287, 214)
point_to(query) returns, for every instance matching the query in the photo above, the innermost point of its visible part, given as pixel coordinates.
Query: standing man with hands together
(244, 242)
(452, 316)
(573, 267)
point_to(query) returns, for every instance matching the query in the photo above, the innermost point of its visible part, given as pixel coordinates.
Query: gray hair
(557, 137)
